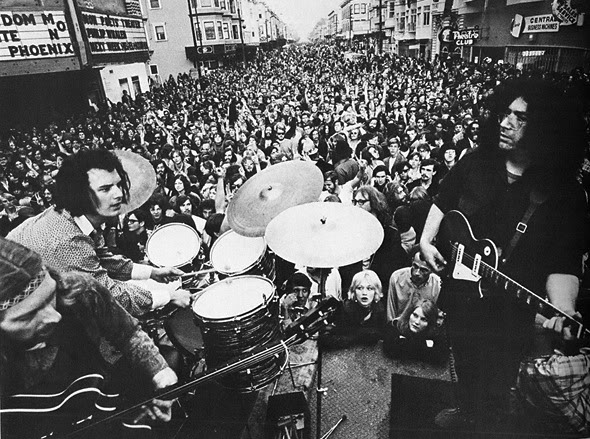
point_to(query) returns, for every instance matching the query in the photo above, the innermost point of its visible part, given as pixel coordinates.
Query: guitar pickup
(462, 271)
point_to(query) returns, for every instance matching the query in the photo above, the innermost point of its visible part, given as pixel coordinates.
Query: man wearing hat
(90, 189)
(50, 327)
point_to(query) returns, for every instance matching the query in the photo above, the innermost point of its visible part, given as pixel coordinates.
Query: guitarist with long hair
(518, 190)
(51, 325)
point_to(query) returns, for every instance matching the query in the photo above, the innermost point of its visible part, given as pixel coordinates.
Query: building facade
(551, 35)
(58, 57)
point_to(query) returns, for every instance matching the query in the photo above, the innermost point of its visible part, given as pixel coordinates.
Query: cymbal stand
(320, 391)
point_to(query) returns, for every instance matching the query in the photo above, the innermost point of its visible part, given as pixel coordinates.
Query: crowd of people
(384, 130)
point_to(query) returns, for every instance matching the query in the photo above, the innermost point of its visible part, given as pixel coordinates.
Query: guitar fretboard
(499, 279)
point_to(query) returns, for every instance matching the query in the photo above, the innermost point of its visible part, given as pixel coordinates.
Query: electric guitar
(476, 261)
(85, 392)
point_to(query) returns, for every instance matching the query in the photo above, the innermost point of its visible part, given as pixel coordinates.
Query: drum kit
(275, 212)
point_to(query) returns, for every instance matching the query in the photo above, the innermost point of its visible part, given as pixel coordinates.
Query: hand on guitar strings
(432, 256)
(559, 325)
(157, 410)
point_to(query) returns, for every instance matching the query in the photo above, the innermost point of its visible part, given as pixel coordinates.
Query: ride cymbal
(142, 179)
(324, 235)
(270, 192)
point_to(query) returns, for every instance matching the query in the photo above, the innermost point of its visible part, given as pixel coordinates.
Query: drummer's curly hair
(72, 189)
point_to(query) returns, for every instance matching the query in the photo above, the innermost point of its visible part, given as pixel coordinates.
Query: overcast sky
(302, 15)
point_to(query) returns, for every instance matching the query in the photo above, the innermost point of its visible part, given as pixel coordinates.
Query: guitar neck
(180, 389)
(541, 305)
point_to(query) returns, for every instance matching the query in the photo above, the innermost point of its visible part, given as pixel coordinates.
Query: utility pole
(196, 63)
(350, 29)
(380, 27)
(238, 4)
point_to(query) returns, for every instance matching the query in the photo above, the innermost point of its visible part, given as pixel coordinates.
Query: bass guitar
(476, 261)
(29, 410)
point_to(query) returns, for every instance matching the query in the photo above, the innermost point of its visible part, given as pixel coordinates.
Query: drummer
(91, 188)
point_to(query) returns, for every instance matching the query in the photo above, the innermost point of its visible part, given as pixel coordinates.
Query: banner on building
(540, 23)
(34, 35)
(533, 24)
(109, 34)
(566, 14)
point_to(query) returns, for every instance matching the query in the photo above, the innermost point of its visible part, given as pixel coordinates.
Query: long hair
(554, 132)
(72, 189)
(379, 206)
(430, 311)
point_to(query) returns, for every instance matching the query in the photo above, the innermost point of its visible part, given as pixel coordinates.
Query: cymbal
(142, 179)
(271, 191)
(324, 235)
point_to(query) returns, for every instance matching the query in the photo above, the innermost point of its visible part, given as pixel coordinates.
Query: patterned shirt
(560, 385)
(64, 246)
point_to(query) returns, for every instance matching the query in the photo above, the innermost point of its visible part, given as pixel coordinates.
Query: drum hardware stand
(331, 430)
(320, 391)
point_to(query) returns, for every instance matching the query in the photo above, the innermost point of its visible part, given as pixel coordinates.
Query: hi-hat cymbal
(271, 191)
(142, 179)
(324, 235)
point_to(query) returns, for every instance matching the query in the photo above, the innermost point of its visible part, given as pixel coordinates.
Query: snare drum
(238, 315)
(173, 245)
(234, 255)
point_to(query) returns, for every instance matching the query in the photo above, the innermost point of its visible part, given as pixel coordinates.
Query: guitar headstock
(314, 320)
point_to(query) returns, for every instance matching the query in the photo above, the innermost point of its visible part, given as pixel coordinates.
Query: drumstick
(194, 273)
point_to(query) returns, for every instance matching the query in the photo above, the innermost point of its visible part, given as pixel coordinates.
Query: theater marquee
(108, 34)
(34, 35)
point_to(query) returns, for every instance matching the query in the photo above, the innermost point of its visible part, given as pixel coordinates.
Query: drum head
(233, 297)
(235, 254)
(183, 332)
(173, 245)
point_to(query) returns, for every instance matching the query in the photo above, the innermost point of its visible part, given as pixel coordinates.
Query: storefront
(549, 35)
(38, 49)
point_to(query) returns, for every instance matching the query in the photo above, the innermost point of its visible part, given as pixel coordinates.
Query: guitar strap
(536, 198)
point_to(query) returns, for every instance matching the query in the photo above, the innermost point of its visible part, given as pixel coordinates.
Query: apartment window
(155, 4)
(363, 8)
(154, 69)
(226, 31)
(426, 18)
(222, 4)
(391, 9)
(235, 32)
(219, 30)
(209, 30)
(232, 6)
(357, 8)
(206, 3)
(160, 31)
(418, 15)
(216, 3)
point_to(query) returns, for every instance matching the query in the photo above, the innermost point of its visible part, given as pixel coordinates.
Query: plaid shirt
(63, 246)
(559, 384)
